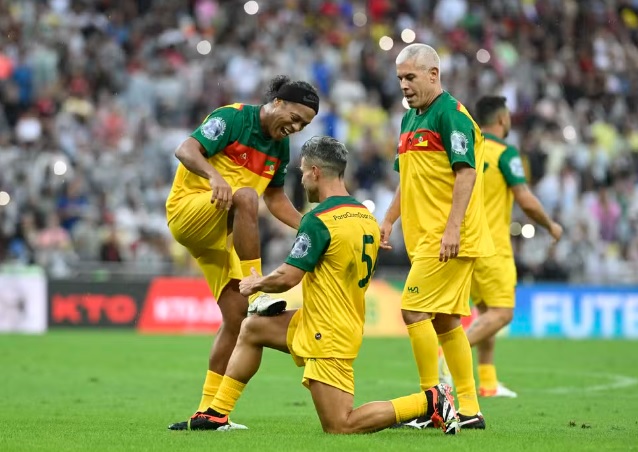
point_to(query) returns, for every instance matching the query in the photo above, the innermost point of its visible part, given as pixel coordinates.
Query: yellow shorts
(203, 230)
(439, 287)
(494, 282)
(335, 372)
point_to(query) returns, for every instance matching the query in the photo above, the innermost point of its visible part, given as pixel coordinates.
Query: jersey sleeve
(313, 239)
(279, 178)
(457, 134)
(511, 167)
(219, 129)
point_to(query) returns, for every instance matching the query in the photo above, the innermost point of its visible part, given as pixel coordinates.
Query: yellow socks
(245, 271)
(458, 355)
(247, 265)
(487, 377)
(211, 385)
(409, 407)
(229, 392)
(425, 347)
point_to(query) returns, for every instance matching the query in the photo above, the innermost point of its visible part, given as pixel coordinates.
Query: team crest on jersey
(213, 128)
(270, 166)
(458, 141)
(301, 247)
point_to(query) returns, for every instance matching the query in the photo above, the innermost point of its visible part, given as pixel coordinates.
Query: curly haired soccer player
(440, 201)
(334, 257)
(237, 154)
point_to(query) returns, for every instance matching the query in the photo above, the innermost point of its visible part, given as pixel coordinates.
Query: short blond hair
(424, 56)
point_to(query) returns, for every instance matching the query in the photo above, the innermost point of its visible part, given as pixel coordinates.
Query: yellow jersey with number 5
(337, 245)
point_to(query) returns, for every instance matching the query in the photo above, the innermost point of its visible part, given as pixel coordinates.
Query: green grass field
(118, 391)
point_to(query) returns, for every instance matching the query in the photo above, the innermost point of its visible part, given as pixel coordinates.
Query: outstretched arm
(282, 279)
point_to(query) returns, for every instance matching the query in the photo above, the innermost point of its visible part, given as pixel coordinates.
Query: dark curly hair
(279, 81)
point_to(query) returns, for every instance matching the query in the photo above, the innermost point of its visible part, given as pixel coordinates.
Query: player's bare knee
(410, 317)
(252, 329)
(505, 316)
(233, 324)
(246, 200)
(444, 323)
(232, 319)
(335, 427)
(231, 303)
(335, 420)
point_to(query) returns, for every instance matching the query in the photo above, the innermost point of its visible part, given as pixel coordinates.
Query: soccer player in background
(237, 154)
(494, 277)
(440, 201)
(334, 257)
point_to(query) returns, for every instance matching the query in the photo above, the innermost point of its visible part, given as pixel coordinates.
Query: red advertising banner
(179, 305)
(95, 304)
(175, 305)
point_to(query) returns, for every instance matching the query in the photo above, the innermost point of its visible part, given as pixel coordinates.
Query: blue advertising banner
(575, 311)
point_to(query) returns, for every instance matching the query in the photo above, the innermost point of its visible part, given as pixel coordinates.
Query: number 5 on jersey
(367, 259)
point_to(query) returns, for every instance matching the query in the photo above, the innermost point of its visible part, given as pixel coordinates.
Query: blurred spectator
(23, 244)
(54, 248)
(73, 204)
(110, 248)
(606, 213)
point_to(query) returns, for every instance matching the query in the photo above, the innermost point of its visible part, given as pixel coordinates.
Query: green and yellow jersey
(238, 149)
(337, 245)
(503, 169)
(430, 143)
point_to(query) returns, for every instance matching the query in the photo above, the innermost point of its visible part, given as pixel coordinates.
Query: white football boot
(267, 306)
(500, 391)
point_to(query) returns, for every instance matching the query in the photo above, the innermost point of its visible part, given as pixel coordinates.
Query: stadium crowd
(96, 95)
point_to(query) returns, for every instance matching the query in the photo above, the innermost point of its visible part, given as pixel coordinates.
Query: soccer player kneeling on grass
(333, 256)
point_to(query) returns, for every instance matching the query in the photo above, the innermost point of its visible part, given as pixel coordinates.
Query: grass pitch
(118, 391)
